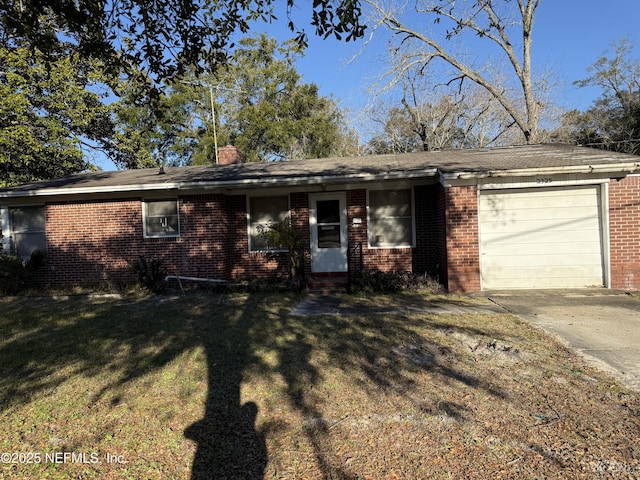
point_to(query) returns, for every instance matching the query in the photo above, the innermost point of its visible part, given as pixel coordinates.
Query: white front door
(328, 223)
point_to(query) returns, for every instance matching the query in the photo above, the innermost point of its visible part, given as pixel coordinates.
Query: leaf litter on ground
(163, 385)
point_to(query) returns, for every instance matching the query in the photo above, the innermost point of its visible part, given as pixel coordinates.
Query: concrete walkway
(603, 325)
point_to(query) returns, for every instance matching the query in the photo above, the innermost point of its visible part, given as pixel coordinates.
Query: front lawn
(217, 386)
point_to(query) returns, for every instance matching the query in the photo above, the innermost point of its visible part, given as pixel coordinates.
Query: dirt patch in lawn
(232, 386)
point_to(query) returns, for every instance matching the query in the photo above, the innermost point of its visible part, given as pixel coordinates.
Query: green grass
(231, 386)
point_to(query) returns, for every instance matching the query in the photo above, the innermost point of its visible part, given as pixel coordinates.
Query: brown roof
(449, 164)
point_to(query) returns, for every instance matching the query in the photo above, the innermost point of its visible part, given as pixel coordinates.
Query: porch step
(328, 281)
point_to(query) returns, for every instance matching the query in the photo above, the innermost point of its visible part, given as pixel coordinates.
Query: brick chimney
(229, 155)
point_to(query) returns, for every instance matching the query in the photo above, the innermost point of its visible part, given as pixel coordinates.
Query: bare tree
(429, 117)
(498, 22)
(434, 122)
(484, 123)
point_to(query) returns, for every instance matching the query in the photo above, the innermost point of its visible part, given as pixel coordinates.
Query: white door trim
(323, 258)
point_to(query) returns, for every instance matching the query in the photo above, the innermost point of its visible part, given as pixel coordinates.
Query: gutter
(626, 168)
(221, 184)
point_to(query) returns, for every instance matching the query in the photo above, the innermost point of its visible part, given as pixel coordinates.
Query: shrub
(151, 274)
(378, 281)
(284, 235)
(36, 262)
(15, 274)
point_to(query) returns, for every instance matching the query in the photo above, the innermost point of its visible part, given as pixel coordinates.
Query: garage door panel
(544, 272)
(536, 250)
(541, 238)
(553, 280)
(588, 261)
(569, 226)
(532, 203)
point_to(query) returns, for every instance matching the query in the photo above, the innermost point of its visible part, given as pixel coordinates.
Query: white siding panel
(541, 238)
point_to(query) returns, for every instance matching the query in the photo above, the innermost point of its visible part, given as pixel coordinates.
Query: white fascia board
(625, 168)
(220, 184)
(46, 192)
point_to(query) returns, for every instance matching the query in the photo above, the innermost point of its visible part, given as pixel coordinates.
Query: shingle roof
(449, 163)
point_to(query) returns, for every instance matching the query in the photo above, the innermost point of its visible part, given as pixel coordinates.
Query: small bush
(284, 235)
(378, 281)
(15, 274)
(151, 274)
(36, 262)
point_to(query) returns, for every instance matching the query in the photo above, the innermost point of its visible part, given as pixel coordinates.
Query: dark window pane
(162, 225)
(264, 211)
(162, 218)
(27, 230)
(27, 219)
(328, 211)
(162, 209)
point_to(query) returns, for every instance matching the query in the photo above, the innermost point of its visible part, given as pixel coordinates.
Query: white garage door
(541, 238)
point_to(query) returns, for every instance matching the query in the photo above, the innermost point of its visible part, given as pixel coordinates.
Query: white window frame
(6, 229)
(250, 223)
(412, 243)
(145, 229)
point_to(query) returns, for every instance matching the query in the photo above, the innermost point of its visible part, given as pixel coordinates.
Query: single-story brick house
(540, 216)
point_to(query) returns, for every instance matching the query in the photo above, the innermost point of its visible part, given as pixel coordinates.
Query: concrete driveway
(603, 325)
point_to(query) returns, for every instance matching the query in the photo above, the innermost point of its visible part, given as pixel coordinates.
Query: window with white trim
(27, 230)
(161, 218)
(390, 218)
(264, 211)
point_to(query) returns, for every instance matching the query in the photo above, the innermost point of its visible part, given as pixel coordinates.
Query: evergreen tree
(50, 109)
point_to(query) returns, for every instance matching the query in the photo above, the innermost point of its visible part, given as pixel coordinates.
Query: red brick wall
(420, 259)
(462, 245)
(440, 229)
(357, 208)
(426, 254)
(624, 233)
(299, 209)
(94, 241)
(357, 233)
(203, 222)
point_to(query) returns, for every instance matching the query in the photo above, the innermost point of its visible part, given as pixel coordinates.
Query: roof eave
(224, 184)
(626, 168)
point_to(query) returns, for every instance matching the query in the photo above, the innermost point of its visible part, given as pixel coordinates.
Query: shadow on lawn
(95, 338)
(134, 338)
(228, 444)
(354, 344)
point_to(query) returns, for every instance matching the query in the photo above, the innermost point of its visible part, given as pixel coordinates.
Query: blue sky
(569, 35)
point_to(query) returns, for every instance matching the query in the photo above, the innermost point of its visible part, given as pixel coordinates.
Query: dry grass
(231, 386)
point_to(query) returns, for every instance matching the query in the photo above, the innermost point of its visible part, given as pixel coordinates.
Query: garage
(541, 238)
